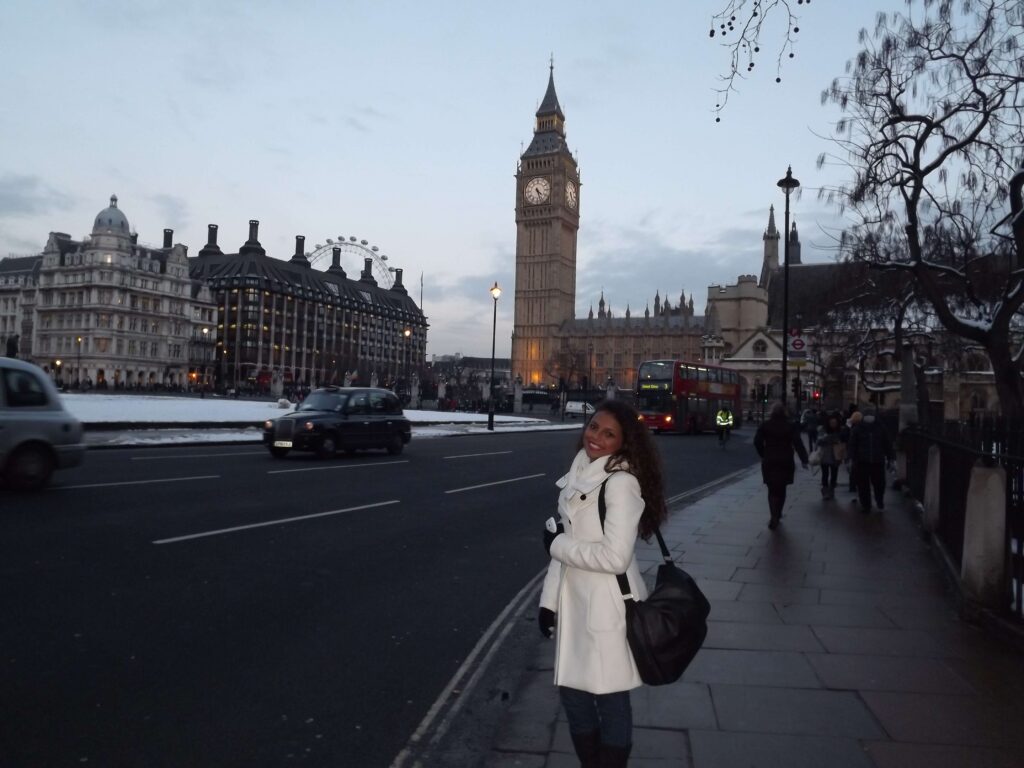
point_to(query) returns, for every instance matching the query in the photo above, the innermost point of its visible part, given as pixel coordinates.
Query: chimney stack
(299, 257)
(336, 268)
(398, 287)
(211, 248)
(367, 274)
(252, 245)
(168, 236)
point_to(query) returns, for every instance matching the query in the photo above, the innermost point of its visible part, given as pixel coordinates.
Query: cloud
(30, 195)
(173, 209)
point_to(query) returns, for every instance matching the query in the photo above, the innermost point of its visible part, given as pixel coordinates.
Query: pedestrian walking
(594, 668)
(870, 451)
(810, 426)
(775, 441)
(853, 416)
(832, 452)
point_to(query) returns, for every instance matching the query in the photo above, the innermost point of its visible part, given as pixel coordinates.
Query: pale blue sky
(401, 123)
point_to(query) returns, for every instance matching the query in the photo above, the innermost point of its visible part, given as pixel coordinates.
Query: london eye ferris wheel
(354, 248)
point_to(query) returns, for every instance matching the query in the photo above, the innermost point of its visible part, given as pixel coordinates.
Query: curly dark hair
(641, 457)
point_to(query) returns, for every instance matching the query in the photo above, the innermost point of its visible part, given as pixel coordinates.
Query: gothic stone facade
(549, 344)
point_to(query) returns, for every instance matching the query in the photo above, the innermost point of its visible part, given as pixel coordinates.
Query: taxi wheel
(278, 453)
(29, 468)
(328, 447)
(395, 444)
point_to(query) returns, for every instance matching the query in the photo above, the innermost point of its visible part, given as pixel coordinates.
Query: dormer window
(760, 348)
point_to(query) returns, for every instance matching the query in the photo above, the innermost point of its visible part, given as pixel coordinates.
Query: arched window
(760, 348)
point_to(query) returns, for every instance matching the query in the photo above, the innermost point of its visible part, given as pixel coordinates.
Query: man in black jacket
(775, 441)
(870, 449)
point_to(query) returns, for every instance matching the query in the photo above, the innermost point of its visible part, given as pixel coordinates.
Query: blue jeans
(610, 714)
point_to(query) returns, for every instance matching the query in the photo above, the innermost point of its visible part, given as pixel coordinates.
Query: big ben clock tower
(547, 220)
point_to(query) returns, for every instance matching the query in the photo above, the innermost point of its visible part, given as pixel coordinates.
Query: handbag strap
(602, 511)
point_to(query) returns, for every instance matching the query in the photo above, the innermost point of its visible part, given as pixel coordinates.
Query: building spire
(771, 231)
(549, 105)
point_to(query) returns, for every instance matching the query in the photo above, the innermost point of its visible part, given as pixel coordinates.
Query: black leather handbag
(666, 630)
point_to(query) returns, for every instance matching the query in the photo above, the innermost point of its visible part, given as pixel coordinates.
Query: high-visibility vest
(724, 419)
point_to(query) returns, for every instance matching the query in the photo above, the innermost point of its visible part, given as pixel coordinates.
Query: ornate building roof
(252, 267)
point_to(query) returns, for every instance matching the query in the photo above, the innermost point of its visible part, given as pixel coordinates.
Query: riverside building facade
(284, 325)
(113, 313)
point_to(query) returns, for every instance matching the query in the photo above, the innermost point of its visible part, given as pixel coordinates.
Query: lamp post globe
(495, 293)
(787, 184)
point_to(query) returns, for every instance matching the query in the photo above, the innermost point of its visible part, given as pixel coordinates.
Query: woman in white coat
(594, 668)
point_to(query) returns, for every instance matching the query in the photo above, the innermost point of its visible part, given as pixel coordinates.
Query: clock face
(537, 191)
(570, 195)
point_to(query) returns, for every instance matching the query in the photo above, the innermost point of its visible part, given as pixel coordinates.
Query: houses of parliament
(549, 342)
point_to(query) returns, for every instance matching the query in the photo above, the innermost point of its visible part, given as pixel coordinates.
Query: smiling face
(603, 436)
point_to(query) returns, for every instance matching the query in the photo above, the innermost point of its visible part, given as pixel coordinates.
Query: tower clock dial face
(570, 194)
(538, 190)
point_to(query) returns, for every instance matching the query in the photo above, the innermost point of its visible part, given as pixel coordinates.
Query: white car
(36, 434)
(582, 408)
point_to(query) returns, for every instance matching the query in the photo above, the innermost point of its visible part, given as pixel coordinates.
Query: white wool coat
(592, 653)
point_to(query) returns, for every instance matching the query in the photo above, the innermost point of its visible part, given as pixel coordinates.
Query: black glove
(546, 621)
(550, 537)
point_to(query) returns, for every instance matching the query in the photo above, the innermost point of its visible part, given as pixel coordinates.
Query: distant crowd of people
(854, 440)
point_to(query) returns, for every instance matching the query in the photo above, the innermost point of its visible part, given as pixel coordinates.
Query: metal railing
(994, 441)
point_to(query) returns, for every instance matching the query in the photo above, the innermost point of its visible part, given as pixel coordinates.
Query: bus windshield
(654, 401)
(655, 371)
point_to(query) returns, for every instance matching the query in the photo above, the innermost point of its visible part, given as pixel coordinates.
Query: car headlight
(268, 425)
(309, 426)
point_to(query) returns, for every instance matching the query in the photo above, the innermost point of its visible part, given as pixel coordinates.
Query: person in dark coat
(776, 440)
(870, 450)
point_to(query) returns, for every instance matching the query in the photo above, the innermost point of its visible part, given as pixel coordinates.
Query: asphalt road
(212, 606)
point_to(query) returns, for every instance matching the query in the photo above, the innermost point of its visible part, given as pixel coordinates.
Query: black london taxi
(333, 419)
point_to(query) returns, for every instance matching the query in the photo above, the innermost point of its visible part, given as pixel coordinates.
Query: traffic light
(764, 393)
(817, 394)
(753, 394)
(796, 387)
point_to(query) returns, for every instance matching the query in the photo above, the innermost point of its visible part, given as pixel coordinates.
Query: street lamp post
(590, 364)
(407, 335)
(78, 369)
(495, 293)
(60, 380)
(787, 184)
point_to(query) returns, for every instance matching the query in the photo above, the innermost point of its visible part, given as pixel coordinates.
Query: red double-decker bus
(673, 396)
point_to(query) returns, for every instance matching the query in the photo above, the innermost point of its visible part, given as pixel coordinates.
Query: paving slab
(835, 616)
(755, 613)
(752, 668)
(891, 754)
(681, 706)
(760, 637)
(792, 711)
(937, 719)
(854, 672)
(717, 749)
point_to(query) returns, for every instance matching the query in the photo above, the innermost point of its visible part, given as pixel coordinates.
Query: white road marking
(135, 482)
(272, 522)
(498, 482)
(474, 455)
(335, 466)
(719, 481)
(418, 742)
(196, 456)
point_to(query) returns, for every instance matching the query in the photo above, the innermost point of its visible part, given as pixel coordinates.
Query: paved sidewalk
(833, 643)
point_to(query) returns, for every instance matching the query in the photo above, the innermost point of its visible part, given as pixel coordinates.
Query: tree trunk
(1007, 377)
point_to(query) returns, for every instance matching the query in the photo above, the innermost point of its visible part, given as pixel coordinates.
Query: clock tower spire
(547, 221)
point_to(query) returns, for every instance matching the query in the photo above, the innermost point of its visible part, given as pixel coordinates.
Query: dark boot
(588, 748)
(614, 757)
